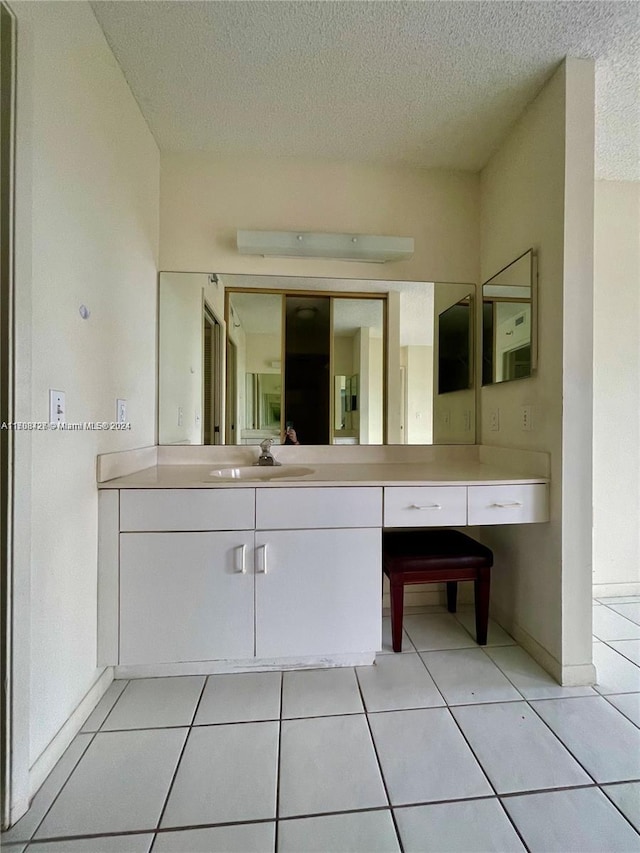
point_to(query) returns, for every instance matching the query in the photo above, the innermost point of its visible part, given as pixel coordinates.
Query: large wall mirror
(509, 333)
(341, 361)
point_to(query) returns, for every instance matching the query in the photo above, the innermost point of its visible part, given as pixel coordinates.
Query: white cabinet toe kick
(205, 580)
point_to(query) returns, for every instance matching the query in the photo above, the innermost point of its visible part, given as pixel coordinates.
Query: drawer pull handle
(262, 560)
(241, 567)
(507, 505)
(426, 506)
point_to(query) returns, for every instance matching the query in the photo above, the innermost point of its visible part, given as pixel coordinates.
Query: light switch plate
(525, 418)
(121, 411)
(494, 420)
(57, 407)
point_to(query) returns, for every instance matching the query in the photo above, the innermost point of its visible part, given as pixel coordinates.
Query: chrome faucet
(266, 457)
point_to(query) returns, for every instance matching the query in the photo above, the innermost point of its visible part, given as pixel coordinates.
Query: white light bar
(305, 244)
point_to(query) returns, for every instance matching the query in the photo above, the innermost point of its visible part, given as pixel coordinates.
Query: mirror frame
(534, 318)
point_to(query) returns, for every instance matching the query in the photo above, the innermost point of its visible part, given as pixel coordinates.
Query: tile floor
(446, 747)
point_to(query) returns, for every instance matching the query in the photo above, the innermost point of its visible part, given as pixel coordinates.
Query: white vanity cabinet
(425, 506)
(458, 506)
(524, 503)
(185, 575)
(318, 571)
(188, 576)
(185, 597)
(221, 579)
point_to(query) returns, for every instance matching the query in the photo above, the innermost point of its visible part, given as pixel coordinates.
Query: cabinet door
(184, 597)
(321, 592)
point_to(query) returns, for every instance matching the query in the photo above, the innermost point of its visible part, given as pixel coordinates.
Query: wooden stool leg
(452, 596)
(482, 589)
(397, 608)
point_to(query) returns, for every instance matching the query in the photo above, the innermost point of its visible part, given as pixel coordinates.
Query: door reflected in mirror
(455, 326)
(509, 322)
(358, 363)
(307, 371)
(263, 401)
(342, 361)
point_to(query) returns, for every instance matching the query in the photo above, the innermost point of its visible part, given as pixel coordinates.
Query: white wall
(205, 199)
(180, 354)
(238, 337)
(537, 191)
(418, 363)
(262, 351)
(88, 205)
(182, 299)
(369, 369)
(343, 355)
(616, 397)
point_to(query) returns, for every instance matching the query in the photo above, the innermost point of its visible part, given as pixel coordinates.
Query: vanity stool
(426, 555)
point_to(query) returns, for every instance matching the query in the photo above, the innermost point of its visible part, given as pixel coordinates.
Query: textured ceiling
(436, 84)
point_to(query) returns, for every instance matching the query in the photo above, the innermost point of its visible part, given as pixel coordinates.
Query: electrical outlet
(494, 420)
(180, 415)
(525, 418)
(57, 407)
(121, 411)
(467, 420)
(446, 418)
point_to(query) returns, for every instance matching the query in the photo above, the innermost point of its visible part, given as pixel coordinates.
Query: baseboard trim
(45, 763)
(18, 810)
(216, 667)
(610, 590)
(579, 675)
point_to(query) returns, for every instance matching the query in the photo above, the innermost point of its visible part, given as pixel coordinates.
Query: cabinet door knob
(261, 552)
(241, 567)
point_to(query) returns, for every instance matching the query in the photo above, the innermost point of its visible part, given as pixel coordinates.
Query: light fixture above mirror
(306, 244)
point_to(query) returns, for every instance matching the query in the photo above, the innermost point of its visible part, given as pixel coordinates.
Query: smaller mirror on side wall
(509, 342)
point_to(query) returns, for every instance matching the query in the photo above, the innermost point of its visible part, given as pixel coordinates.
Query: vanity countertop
(436, 473)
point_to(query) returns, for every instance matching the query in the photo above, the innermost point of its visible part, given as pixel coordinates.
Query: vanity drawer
(298, 508)
(425, 506)
(519, 504)
(187, 509)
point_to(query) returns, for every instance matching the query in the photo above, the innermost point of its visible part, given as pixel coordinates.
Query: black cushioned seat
(426, 555)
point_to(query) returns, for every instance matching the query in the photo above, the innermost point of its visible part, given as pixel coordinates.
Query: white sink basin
(256, 472)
